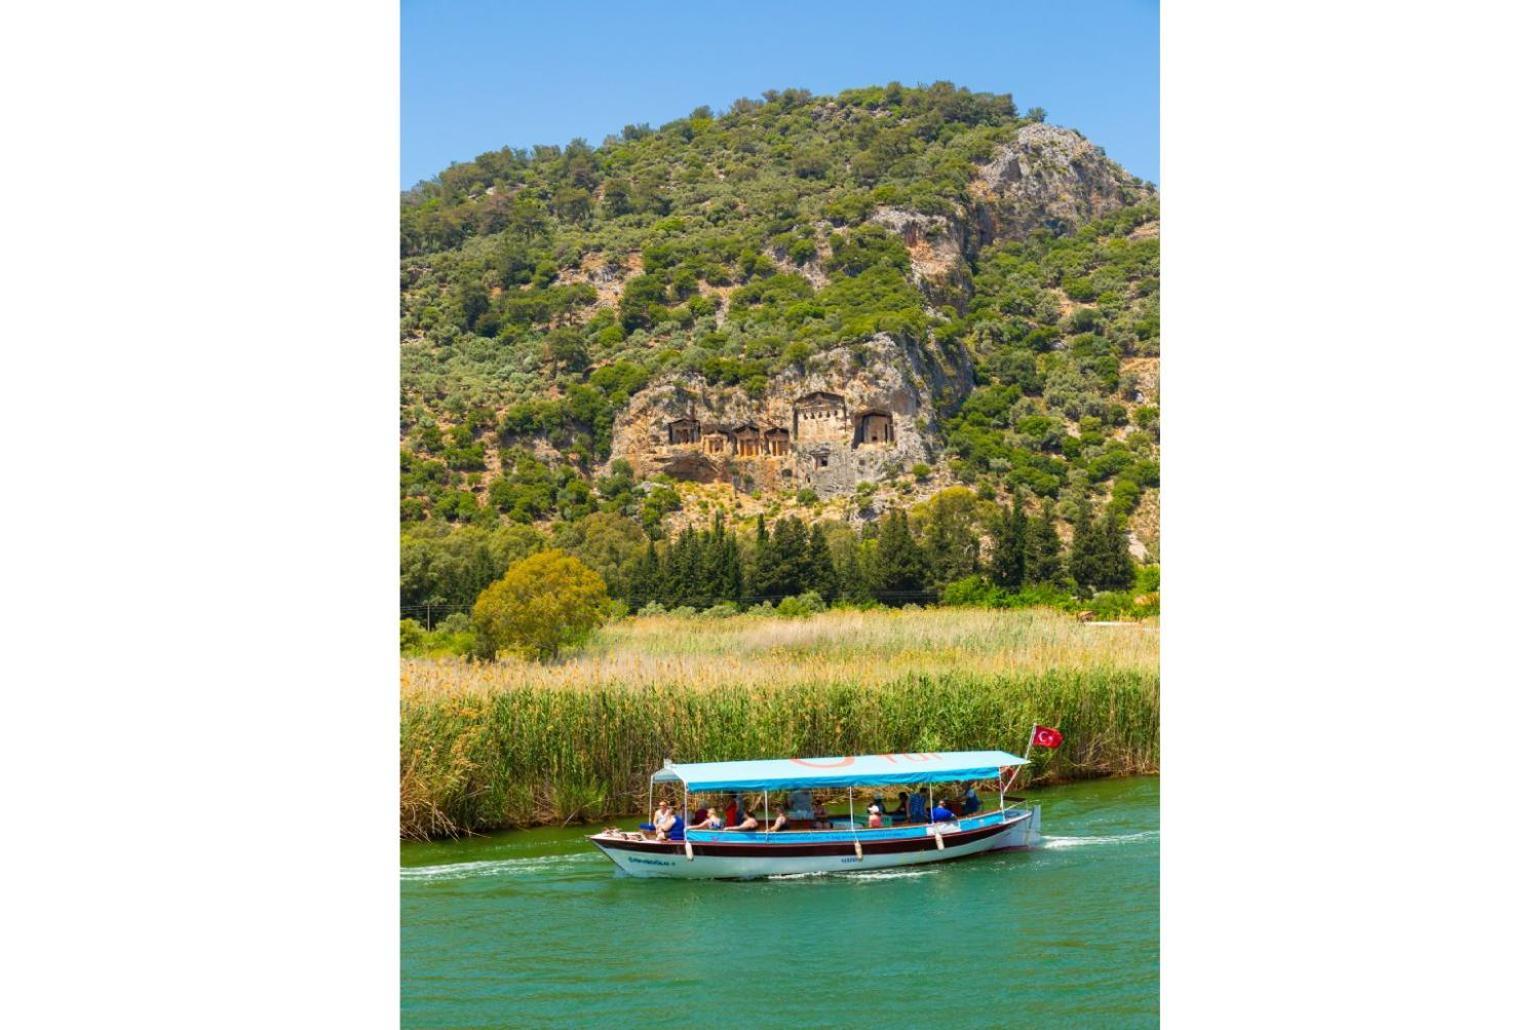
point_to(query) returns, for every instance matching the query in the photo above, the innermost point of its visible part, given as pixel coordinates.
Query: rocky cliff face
(864, 412)
(1050, 178)
(870, 411)
(1045, 178)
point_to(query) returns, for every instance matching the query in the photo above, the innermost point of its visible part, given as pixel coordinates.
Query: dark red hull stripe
(876, 847)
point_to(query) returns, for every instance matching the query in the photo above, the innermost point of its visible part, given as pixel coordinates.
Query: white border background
(199, 740)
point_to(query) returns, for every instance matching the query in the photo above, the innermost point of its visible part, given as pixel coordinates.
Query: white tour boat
(840, 845)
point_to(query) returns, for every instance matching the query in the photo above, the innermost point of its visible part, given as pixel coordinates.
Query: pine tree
(901, 570)
(1042, 553)
(1006, 564)
(820, 564)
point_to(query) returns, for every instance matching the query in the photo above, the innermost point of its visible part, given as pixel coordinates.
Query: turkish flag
(1047, 736)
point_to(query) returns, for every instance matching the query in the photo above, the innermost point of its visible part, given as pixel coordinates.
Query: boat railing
(975, 821)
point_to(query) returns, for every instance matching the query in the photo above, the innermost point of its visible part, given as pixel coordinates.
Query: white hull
(1021, 832)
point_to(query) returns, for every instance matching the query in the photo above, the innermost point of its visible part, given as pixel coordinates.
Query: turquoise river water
(536, 928)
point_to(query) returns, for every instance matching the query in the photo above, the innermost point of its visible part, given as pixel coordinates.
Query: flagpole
(1027, 754)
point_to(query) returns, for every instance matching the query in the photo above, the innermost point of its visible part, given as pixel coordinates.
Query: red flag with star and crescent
(1046, 736)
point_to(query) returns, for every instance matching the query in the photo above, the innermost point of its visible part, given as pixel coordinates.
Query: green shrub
(797, 607)
(974, 591)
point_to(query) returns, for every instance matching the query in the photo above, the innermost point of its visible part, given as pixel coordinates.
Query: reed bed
(516, 744)
(863, 647)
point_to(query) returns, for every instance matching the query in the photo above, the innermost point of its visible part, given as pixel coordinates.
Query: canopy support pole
(649, 798)
(855, 834)
(766, 830)
(684, 813)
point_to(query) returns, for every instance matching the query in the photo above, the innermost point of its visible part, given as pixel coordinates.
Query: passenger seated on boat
(780, 820)
(676, 831)
(916, 808)
(821, 816)
(901, 813)
(664, 822)
(874, 816)
(698, 816)
(970, 801)
(748, 822)
(657, 817)
(942, 813)
(709, 820)
(734, 814)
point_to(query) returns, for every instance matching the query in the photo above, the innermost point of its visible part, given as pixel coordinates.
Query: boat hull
(719, 857)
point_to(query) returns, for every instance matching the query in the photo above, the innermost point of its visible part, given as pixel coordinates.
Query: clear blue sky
(476, 76)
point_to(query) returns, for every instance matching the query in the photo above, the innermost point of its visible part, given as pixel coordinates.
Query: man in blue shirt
(916, 808)
(941, 813)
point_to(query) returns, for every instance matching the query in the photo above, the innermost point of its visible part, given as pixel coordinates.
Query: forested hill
(827, 306)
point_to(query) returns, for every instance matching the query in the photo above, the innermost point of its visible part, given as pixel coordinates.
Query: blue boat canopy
(849, 771)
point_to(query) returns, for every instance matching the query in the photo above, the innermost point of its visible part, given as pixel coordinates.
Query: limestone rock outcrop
(1050, 177)
(862, 412)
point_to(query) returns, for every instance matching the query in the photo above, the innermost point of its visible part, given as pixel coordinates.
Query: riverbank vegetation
(953, 549)
(512, 743)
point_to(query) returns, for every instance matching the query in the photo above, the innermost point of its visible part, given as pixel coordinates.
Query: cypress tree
(714, 574)
(951, 543)
(783, 569)
(1116, 566)
(642, 584)
(664, 594)
(1042, 561)
(754, 577)
(732, 584)
(681, 571)
(850, 569)
(901, 569)
(1085, 552)
(1007, 563)
(820, 563)
(692, 577)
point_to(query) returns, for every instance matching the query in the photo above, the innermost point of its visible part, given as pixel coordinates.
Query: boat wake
(1051, 843)
(496, 867)
(874, 874)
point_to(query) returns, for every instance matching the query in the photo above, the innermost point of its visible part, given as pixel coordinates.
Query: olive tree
(548, 601)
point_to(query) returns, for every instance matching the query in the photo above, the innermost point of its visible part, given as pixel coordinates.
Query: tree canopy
(545, 602)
